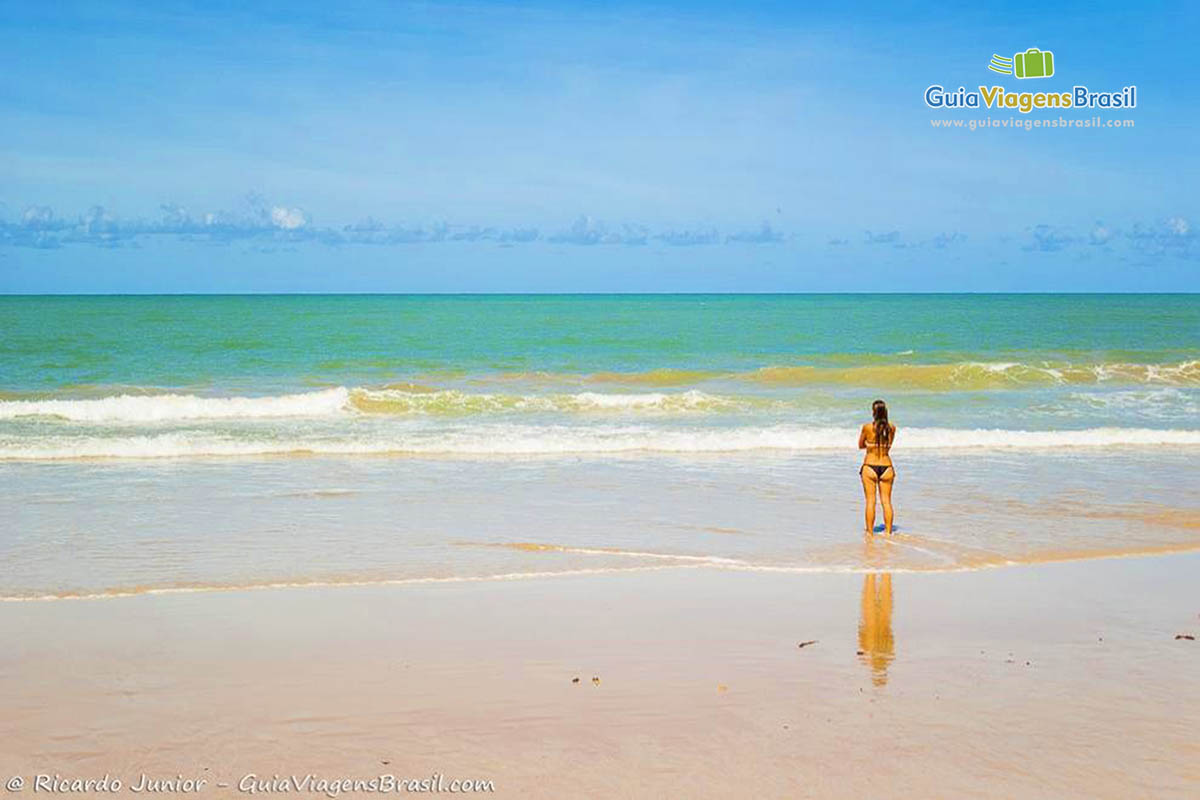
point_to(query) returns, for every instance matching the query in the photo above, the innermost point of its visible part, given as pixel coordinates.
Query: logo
(1033, 63)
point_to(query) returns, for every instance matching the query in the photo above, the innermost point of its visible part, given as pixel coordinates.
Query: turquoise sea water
(244, 374)
(183, 442)
(265, 343)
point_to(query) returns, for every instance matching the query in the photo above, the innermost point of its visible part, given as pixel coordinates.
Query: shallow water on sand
(102, 528)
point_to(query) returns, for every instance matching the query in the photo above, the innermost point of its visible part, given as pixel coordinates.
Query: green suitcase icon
(1034, 63)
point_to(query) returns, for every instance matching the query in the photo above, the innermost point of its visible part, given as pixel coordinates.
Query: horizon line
(600, 294)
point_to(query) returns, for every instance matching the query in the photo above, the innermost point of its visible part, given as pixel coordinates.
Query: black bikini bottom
(879, 469)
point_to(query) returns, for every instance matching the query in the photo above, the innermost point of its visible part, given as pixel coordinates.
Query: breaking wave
(168, 407)
(521, 440)
(128, 408)
(968, 376)
(414, 399)
(454, 402)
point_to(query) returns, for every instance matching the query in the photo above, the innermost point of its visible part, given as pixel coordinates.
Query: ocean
(204, 443)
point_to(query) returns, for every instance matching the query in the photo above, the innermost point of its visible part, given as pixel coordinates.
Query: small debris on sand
(1187, 636)
(722, 687)
(806, 644)
(595, 681)
(575, 680)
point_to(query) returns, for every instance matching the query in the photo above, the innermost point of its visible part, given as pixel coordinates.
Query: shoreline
(707, 563)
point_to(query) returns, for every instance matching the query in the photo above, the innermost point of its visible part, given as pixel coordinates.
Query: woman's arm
(862, 438)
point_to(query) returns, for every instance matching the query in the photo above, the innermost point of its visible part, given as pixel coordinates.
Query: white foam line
(327, 584)
(960, 547)
(787, 569)
(600, 551)
(525, 440)
(934, 553)
(164, 407)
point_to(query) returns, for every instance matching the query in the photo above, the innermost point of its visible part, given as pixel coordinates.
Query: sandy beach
(1046, 681)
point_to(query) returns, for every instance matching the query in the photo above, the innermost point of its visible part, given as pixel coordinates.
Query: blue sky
(365, 146)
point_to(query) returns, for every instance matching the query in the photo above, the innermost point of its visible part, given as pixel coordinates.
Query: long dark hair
(883, 429)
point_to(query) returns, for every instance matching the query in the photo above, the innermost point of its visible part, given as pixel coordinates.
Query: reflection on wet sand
(876, 646)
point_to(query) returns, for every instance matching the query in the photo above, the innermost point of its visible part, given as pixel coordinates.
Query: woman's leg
(869, 481)
(885, 494)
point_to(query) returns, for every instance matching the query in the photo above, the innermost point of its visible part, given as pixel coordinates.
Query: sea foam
(519, 440)
(164, 407)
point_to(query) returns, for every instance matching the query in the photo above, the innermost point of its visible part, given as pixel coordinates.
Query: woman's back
(873, 446)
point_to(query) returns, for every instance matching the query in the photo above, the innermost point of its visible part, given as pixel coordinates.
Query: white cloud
(588, 231)
(891, 237)
(289, 219)
(1178, 226)
(764, 235)
(37, 216)
(1100, 234)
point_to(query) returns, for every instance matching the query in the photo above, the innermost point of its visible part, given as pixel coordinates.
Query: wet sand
(1033, 681)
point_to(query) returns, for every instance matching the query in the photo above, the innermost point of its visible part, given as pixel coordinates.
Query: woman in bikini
(877, 472)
